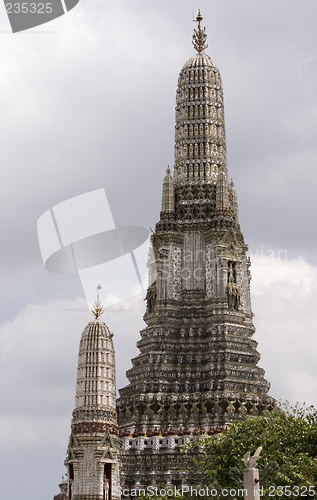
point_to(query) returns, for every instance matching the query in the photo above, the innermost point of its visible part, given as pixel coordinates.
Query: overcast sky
(87, 102)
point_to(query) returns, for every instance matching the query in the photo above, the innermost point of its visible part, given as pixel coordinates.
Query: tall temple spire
(197, 370)
(200, 139)
(199, 36)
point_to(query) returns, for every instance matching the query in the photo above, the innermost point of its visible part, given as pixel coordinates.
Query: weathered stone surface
(92, 459)
(197, 368)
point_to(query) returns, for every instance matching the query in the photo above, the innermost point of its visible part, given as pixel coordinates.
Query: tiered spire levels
(200, 145)
(96, 369)
(199, 36)
(197, 368)
(92, 459)
(96, 385)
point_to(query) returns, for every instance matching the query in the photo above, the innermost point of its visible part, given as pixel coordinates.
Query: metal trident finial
(199, 36)
(97, 308)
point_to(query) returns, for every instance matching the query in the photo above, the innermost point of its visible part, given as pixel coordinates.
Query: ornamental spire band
(199, 36)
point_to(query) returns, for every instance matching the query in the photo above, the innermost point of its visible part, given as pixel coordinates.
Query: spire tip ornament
(97, 308)
(199, 36)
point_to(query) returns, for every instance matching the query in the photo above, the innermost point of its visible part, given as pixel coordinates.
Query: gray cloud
(92, 105)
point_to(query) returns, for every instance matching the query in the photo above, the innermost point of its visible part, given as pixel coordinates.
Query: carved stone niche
(151, 297)
(233, 288)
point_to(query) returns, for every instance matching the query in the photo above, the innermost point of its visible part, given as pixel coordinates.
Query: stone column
(251, 484)
(251, 476)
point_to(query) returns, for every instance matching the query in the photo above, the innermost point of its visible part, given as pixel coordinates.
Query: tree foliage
(289, 456)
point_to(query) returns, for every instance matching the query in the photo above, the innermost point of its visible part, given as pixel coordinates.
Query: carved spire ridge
(168, 202)
(97, 308)
(199, 36)
(222, 188)
(234, 200)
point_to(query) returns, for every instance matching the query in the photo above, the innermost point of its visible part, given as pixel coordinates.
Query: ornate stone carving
(253, 409)
(230, 408)
(93, 451)
(151, 297)
(197, 361)
(242, 409)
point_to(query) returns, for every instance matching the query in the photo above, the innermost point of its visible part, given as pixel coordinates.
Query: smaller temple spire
(199, 36)
(97, 308)
(92, 458)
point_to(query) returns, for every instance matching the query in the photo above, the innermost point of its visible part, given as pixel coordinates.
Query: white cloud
(91, 106)
(284, 297)
(39, 350)
(38, 361)
(273, 271)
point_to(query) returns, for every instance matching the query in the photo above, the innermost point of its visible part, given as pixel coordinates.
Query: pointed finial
(199, 18)
(97, 308)
(168, 170)
(199, 36)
